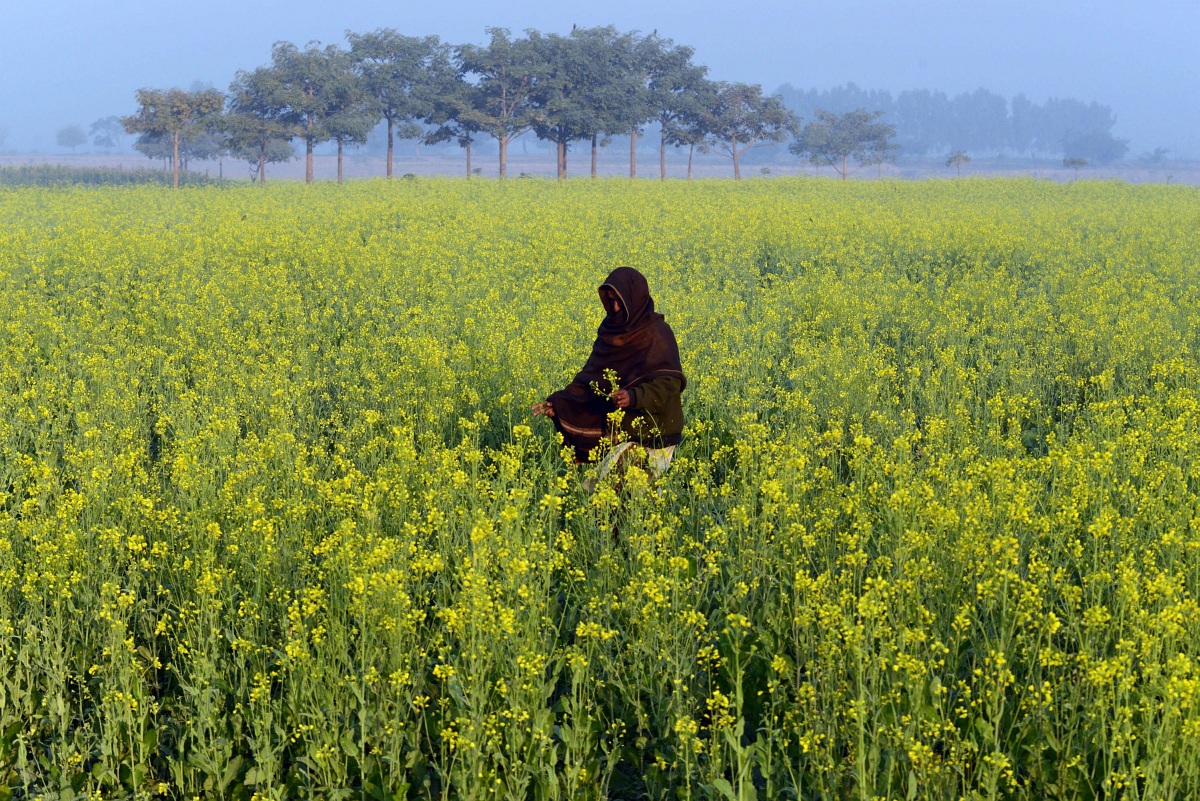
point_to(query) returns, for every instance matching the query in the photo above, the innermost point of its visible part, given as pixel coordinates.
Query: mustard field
(276, 520)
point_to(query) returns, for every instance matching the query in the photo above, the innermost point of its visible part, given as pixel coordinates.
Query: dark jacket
(638, 346)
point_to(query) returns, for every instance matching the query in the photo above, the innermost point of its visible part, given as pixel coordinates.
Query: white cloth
(657, 459)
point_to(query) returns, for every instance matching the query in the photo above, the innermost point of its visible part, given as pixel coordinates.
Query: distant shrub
(59, 175)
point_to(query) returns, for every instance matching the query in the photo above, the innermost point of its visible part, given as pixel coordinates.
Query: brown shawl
(636, 343)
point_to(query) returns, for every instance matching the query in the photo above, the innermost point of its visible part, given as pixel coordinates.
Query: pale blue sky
(71, 62)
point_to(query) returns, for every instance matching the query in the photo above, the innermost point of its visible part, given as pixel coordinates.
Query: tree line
(588, 86)
(980, 121)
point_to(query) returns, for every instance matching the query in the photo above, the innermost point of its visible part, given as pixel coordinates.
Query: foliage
(172, 118)
(935, 122)
(259, 125)
(402, 78)
(71, 136)
(832, 139)
(59, 175)
(504, 74)
(957, 159)
(1098, 147)
(108, 134)
(742, 117)
(275, 520)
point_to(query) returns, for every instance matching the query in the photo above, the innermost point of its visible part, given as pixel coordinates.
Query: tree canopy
(832, 139)
(742, 117)
(175, 115)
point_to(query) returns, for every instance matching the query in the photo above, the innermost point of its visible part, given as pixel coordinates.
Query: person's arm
(654, 394)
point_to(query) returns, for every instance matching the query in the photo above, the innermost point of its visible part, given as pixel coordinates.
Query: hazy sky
(73, 61)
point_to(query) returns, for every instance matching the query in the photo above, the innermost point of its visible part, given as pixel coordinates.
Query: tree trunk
(468, 159)
(691, 151)
(843, 168)
(389, 149)
(633, 153)
(503, 158)
(339, 141)
(262, 166)
(737, 171)
(175, 158)
(562, 160)
(662, 155)
(594, 136)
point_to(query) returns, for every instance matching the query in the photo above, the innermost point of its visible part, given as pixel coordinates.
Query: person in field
(637, 349)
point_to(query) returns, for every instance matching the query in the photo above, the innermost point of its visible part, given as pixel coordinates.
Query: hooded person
(635, 343)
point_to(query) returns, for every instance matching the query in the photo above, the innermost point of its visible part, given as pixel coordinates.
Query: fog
(70, 63)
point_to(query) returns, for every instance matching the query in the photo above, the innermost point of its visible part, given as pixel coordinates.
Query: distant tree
(351, 112)
(1075, 164)
(676, 91)
(1023, 124)
(156, 147)
(506, 71)
(690, 128)
(1096, 146)
(742, 118)
(309, 84)
(1156, 156)
(399, 74)
(580, 91)
(646, 54)
(559, 112)
(606, 58)
(108, 134)
(833, 139)
(957, 159)
(173, 115)
(877, 153)
(453, 110)
(259, 125)
(71, 136)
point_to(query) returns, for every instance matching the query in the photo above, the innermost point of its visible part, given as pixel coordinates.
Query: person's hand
(623, 398)
(543, 407)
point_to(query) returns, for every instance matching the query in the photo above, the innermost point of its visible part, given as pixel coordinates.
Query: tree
(1075, 164)
(558, 105)
(690, 127)
(832, 139)
(578, 92)
(635, 105)
(71, 136)
(399, 74)
(310, 81)
(879, 152)
(108, 133)
(1154, 157)
(606, 57)
(259, 125)
(453, 110)
(351, 112)
(743, 117)
(173, 115)
(1097, 146)
(506, 71)
(677, 90)
(957, 159)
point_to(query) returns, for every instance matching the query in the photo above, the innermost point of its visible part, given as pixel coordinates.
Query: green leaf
(912, 785)
(231, 772)
(725, 787)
